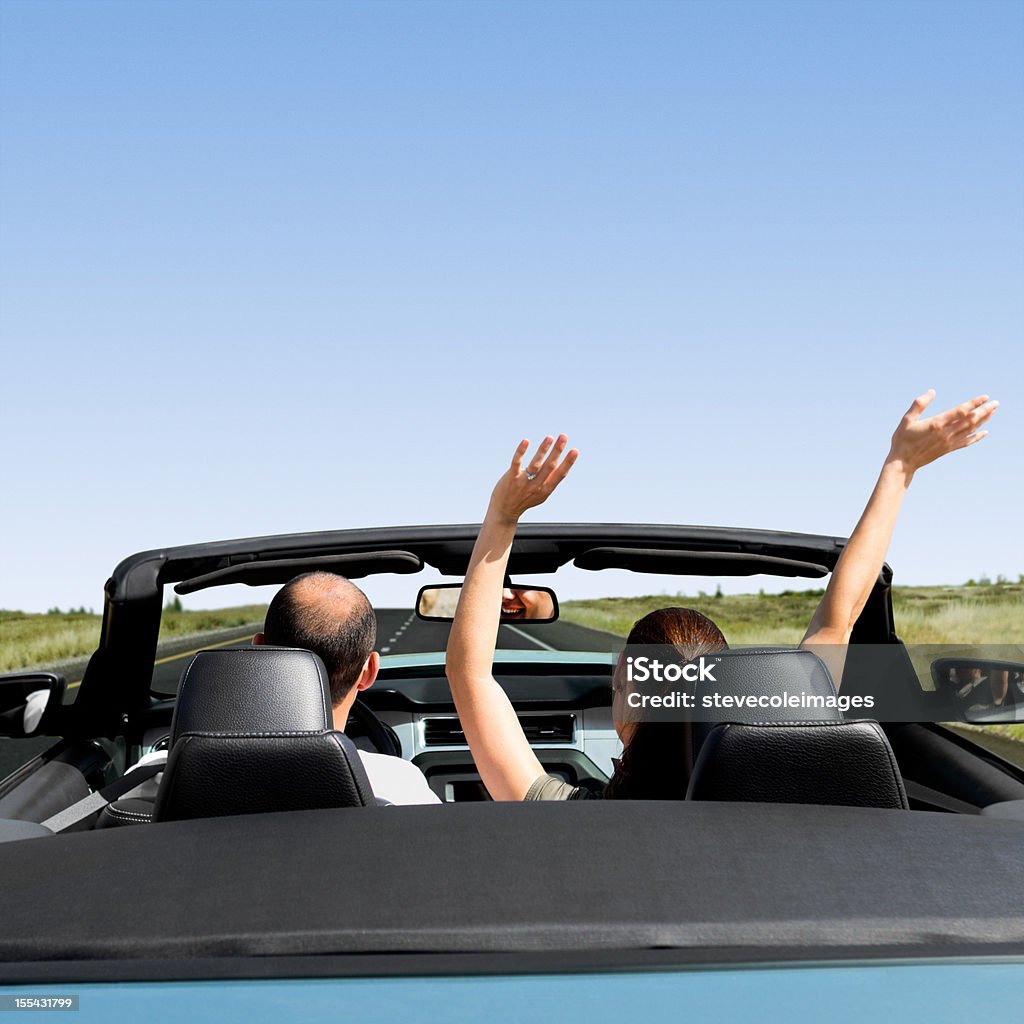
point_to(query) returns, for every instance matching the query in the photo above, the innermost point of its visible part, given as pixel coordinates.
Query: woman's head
(690, 632)
(657, 756)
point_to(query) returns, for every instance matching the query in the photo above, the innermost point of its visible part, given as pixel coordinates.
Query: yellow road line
(185, 654)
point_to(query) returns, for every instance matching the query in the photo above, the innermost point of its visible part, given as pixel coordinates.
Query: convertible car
(215, 843)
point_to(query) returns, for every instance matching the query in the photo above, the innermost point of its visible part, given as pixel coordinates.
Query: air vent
(443, 732)
(547, 728)
(447, 732)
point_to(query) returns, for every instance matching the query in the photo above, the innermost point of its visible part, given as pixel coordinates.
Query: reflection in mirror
(984, 691)
(518, 604)
(35, 705)
(24, 699)
(525, 603)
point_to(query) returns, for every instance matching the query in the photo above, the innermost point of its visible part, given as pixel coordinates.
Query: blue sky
(270, 267)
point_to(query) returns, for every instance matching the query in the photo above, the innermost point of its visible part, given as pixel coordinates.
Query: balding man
(330, 616)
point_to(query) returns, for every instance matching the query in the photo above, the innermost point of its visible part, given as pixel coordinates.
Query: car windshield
(596, 611)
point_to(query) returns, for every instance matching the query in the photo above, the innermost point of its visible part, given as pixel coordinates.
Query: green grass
(1006, 741)
(744, 618)
(184, 623)
(968, 615)
(924, 615)
(28, 639)
(1015, 732)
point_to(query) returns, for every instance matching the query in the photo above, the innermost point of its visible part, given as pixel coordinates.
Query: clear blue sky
(270, 267)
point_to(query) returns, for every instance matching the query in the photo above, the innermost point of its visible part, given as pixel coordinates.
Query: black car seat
(790, 754)
(252, 733)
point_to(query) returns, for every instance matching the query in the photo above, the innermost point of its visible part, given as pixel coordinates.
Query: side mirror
(983, 690)
(518, 603)
(24, 700)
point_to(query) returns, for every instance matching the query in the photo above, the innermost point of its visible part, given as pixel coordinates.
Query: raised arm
(503, 756)
(915, 443)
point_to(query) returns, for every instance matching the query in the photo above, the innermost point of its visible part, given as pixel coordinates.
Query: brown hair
(658, 756)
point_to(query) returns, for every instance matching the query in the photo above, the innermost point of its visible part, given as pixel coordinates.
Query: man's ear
(259, 640)
(370, 669)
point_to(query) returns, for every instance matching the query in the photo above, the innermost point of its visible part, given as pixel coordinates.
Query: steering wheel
(363, 721)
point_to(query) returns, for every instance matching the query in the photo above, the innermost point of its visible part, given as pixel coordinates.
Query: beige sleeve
(548, 787)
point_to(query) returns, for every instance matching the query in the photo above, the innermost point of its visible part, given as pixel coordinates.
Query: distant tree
(1001, 580)
(175, 605)
(718, 590)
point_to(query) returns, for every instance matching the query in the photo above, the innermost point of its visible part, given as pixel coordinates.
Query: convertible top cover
(488, 878)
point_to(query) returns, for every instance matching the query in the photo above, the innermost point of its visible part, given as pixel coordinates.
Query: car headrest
(764, 672)
(796, 752)
(849, 763)
(252, 734)
(769, 673)
(253, 689)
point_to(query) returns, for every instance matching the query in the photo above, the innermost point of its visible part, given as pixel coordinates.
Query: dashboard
(565, 712)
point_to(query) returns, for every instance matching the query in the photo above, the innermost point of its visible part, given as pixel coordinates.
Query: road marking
(527, 636)
(184, 654)
(384, 650)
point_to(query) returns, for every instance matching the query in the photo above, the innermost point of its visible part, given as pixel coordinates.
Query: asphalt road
(400, 632)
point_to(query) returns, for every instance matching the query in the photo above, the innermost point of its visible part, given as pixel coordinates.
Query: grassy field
(980, 614)
(924, 615)
(28, 640)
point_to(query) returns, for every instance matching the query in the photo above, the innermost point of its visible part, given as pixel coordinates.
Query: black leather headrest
(253, 689)
(789, 753)
(252, 734)
(772, 673)
(847, 763)
(767, 673)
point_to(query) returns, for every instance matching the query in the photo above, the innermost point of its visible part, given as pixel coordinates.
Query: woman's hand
(917, 441)
(520, 489)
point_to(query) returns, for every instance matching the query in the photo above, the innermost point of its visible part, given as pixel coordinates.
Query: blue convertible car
(252, 874)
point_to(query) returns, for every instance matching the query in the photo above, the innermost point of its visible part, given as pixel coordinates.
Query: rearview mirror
(518, 603)
(25, 699)
(983, 690)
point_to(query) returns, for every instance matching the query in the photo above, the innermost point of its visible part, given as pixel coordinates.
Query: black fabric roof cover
(490, 877)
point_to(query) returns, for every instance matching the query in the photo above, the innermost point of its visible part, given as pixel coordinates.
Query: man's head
(330, 616)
